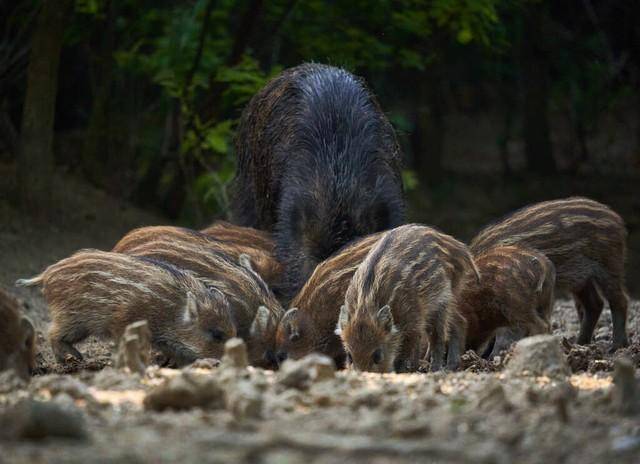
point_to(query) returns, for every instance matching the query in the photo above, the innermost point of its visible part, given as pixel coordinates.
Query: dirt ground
(306, 413)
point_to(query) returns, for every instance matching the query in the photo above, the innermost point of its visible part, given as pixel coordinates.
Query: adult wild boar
(318, 165)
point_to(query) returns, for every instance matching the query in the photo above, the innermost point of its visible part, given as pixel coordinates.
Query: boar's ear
(291, 321)
(385, 318)
(28, 335)
(343, 319)
(260, 322)
(245, 261)
(190, 309)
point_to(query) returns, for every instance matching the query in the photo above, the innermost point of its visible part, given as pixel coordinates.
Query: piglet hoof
(435, 367)
(402, 367)
(66, 354)
(618, 344)
(453, 366)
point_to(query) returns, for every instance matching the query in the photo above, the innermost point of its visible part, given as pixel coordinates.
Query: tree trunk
(210, 108)
(245, 31)
(637, 157)
(8, 135)
(35, 160)
(535, 79)
(97, 147)
(427, 139)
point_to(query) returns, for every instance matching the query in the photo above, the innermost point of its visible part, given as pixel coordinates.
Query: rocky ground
(547, 401)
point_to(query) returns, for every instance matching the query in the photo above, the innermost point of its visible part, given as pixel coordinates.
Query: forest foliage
(153, 90)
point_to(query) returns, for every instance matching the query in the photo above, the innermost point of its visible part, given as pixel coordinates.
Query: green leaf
(217, 139)
(465, 36)
(410, 180)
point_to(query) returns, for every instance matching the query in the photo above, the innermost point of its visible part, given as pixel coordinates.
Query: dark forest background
(497, 103)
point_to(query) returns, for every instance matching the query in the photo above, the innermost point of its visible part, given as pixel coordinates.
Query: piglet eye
(377, 356)
(216, 335)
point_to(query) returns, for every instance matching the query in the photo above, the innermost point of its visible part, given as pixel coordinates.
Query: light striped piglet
(99, 293)
(255, 309)
(586, 242)
(403, 293)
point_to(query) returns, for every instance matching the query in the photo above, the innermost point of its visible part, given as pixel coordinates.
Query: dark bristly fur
(257, 244)
(318, 165)
(310, 324)
(17, 338)
(243, 287)
(403, 292)
(99, 293)
(586, 241)
(516, 291)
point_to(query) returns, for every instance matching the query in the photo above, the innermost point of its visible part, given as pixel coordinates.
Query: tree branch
(198, 56)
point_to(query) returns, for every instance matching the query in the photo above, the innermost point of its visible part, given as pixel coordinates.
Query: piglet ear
(260, 322)
(190, 309)
(343, 320)
(290, 319)
(385, 318)
(245, 261)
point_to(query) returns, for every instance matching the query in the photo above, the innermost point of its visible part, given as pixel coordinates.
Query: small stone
(235, 353)
(540, 355)
(626, 398)
(286, 401)
(134, 348)
(494, 398)
(372, 422)
(325, 394)
(283, 456)
(303, 372)
(244, 401)
(561, 397)
(10, 381)
(413, 428)
(626, 444)
(37, 420)
(186, 391)
(114, 379)
(322, 367)
(368, 397)
(56, 384)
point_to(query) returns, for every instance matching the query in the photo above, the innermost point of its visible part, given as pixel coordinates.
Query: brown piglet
(516, 292)
(17, 338)
(586, 242)
(310, 324)
(255, 309)
(99, 293)
(257, 244)
(403, 293)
